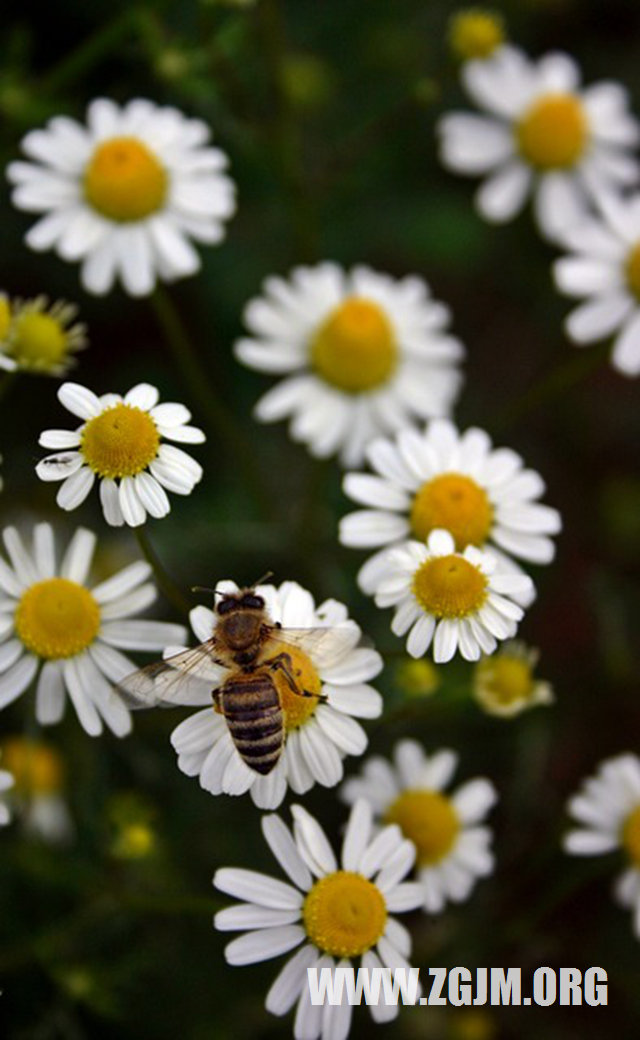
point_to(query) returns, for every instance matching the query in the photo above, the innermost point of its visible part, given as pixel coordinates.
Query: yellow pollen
(37, 768)
(457, 504)
(631, 836)
(57, 618)
(38, 341)
(506, 679)
(120, 442)
(355, 348)
(632, 268)
(553, 133)
(475, 33)
(429, 820)
(297, 710)
(5, 316)
(124, 181)
(449, 587)
(344, 914)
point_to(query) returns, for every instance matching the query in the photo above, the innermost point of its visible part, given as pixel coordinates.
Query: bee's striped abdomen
(251, 707)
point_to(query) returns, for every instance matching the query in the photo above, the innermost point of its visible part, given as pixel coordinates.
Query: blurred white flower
(452, 848)
(125, 193)
(120, 441)
(54, 627)
(38, 794)
(543, 134)
(607, 808)
(605, 270)
(362, 353)
(6, 783)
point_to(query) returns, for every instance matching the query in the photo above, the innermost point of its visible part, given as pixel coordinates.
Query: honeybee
(240, 664)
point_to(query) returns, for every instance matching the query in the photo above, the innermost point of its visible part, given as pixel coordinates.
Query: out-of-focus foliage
(327, 111)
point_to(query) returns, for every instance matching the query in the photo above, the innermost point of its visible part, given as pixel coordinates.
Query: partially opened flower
(362, 354)
(483, 496)
(38, 794)
(67, 636)
(455, 601)
(475, 32)
(605, 270)
(607, 810)
(336, 912)
(37, 337)
(452, 843)
(121, 442)
(124, 194)
(543, 134)
(319, 731)
(504, 683)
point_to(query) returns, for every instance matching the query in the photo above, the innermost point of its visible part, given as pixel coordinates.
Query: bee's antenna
(205, 588)
(265, 577)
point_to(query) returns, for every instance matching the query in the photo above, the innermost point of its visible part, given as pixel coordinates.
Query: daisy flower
(455, 481)
(318, 734)
(362, 354)
(37, 337)
(125, 193)
(542, 134)
(6, 782)
(605, 270)
(607, 808)
(336, 913)
(452, 848)
(504, 684)
(39, 774)
(475, 33)
(120, 441)
(69, 636)
(457, 601)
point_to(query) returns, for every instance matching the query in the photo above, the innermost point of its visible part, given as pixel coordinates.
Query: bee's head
(244, 599)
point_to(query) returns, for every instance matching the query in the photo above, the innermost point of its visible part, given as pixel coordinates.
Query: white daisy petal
(264, 944)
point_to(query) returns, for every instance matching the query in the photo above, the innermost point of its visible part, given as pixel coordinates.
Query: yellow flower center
(120, 442)
(455, 503)
(38, 341)
(355, 348)
(297, 710)
(633, 270)
(344, 914)
(631, 836)
(57, 618)
(428, 819)
(5, 316)
(506, 679)
(37, 768)
(124, 181)
(449, 587)
(553, 133)
(475, 34)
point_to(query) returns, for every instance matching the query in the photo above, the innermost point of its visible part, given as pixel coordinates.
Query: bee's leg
(283, 663)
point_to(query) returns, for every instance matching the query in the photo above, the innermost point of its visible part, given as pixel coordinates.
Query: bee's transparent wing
(188, 677)
(325, 645)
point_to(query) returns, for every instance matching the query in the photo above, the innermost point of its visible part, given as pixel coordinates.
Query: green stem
(166, 584)
(221, 422)
(553, 384)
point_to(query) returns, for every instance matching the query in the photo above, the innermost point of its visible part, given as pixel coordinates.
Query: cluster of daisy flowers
(539, 132)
